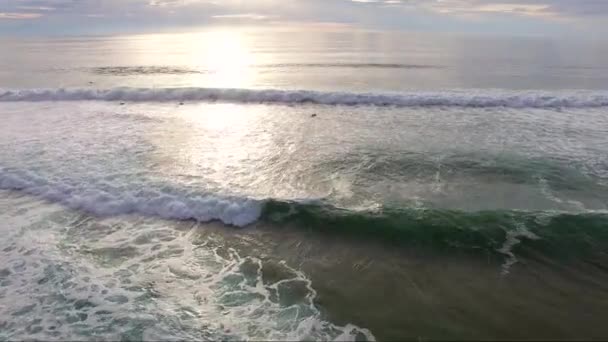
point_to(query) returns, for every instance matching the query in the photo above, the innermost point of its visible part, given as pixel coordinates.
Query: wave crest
(555, 233)
(200, 207)
(509, 99)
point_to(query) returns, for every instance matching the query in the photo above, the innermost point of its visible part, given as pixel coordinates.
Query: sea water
(256, 184)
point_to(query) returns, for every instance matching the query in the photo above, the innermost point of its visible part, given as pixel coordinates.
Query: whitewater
(274, 187)
(457, 98)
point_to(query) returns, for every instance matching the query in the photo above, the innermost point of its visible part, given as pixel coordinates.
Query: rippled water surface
(246, 185)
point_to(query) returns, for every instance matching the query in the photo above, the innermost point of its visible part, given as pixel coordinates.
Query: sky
(585, 18)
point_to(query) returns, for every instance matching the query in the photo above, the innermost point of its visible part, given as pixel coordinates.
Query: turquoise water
(300, 190)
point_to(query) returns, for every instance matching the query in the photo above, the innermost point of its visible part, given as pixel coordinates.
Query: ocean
(257, 184)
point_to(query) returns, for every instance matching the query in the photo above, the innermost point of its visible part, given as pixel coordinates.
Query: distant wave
(183, 70)
(144, 70)
(351, 65)
(472, 98)
(176, 70)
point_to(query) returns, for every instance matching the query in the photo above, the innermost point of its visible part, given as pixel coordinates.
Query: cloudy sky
(533, 17)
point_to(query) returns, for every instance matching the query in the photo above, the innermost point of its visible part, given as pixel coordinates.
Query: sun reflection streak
(224, 146)
(222, 58)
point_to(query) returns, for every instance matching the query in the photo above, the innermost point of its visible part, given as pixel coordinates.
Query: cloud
(580, 8)
(484, 7)
(36, 8)
(169, 3)
(556, 8)
(518, 7)
(19, 15)
(434, 15)
(247, 16)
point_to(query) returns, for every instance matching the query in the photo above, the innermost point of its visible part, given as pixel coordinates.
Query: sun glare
(227, 57)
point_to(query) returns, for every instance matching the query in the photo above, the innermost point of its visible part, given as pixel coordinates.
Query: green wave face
(554, 233)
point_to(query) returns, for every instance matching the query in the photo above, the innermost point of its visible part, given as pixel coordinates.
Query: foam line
(200, 207)
(473, 98)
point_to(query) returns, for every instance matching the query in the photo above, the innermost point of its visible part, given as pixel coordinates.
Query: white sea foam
(513, 238)
(204, 208)
(164, 275)
(468, 98)
(300, 320)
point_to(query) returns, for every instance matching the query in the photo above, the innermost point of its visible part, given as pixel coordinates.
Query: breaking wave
(472, 98)
(496, 231)
(154, 202)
